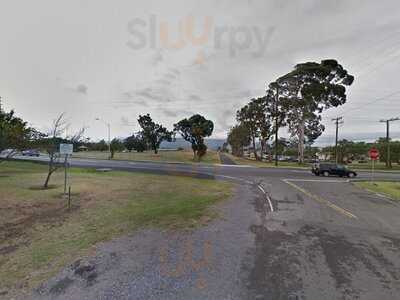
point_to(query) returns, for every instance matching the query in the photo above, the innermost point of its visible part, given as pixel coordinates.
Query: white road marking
(317, 180)
(233, 166)
(268, 198)
(321, 200)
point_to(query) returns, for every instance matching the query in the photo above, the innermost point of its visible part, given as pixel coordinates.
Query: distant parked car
(328, 169)
(31, 152)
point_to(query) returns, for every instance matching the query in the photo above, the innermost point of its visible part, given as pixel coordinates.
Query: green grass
(46, 236)
(163, 156)
(380, 166)
(390, 189)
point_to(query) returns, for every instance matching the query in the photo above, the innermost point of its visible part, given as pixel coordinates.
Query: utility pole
(1, 108)
(388, 160)
(337, 121)
(276, 124)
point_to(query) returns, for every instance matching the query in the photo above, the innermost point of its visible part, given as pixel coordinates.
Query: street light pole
(109, 134)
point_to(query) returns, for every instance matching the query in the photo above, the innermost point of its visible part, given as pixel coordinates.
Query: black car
(328, 169)
(31, 152)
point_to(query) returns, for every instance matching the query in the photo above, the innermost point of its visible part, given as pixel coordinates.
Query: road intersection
(286, 235)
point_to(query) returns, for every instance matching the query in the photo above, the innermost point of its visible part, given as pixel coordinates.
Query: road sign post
(374, 156)
(66, 149)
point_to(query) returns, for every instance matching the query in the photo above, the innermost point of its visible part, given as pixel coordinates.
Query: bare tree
(58, 127)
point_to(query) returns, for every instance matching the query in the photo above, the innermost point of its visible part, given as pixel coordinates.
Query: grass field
(39, 235)
(390, 189)
(265, 164)
(378, 166)
(183, 156)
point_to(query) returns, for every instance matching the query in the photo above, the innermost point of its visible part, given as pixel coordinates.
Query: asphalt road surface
(286, 234)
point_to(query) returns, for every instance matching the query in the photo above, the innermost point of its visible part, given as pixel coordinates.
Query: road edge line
(322, 200)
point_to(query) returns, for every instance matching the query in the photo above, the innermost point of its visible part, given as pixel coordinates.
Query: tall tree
(154, 133)
(238, 138)
(264, 118)
(248, 116)
(136, 142)
(194, 130)
(308, 90)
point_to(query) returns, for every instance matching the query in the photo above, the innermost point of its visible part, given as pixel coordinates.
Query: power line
(372, 102)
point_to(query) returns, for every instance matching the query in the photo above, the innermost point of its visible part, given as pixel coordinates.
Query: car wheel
(326, 173)
(351, 175)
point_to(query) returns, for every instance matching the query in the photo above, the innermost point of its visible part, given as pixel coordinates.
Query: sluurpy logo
(160, 34)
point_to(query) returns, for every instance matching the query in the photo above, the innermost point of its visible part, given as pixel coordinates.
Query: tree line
(358, 151)
(193, 130)
(17, 135)
(296, 101)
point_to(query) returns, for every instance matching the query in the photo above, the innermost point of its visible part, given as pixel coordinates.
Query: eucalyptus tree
(194, 130)
(154, 133)
(264, 119)
(238, 138)
(307, 91)
(248, 116)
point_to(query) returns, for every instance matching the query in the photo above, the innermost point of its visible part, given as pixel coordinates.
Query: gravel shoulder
(206, 263)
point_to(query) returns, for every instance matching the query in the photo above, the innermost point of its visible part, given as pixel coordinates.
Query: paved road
(225, 159)
(285, 235)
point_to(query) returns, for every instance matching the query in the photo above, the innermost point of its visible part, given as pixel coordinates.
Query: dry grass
(163, 156)
(390, 189)
(39, 235)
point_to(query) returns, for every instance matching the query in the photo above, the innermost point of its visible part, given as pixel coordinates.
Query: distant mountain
(212, 144)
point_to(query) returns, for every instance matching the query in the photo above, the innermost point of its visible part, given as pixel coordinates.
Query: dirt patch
(41, 188)
(26, 217)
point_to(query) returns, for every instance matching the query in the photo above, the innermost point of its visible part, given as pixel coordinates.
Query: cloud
(82, 89)
(154, 94)
(157, 58)
(169, 113)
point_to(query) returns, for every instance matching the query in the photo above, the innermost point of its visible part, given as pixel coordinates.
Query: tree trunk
(194, 155)
(301, 142)
(262, 148)
(254, 148)
(51, 162)
(46, 184)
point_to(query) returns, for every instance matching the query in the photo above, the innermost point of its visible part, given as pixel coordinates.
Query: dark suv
(327, 169)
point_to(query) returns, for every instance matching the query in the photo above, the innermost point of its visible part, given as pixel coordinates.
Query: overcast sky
(117, 59)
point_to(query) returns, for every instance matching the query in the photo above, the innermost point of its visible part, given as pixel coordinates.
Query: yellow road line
(322, 201)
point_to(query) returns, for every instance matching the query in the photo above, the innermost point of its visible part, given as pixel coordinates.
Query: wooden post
(69, 198)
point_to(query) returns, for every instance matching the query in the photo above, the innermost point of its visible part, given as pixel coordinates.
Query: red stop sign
(373, 154)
